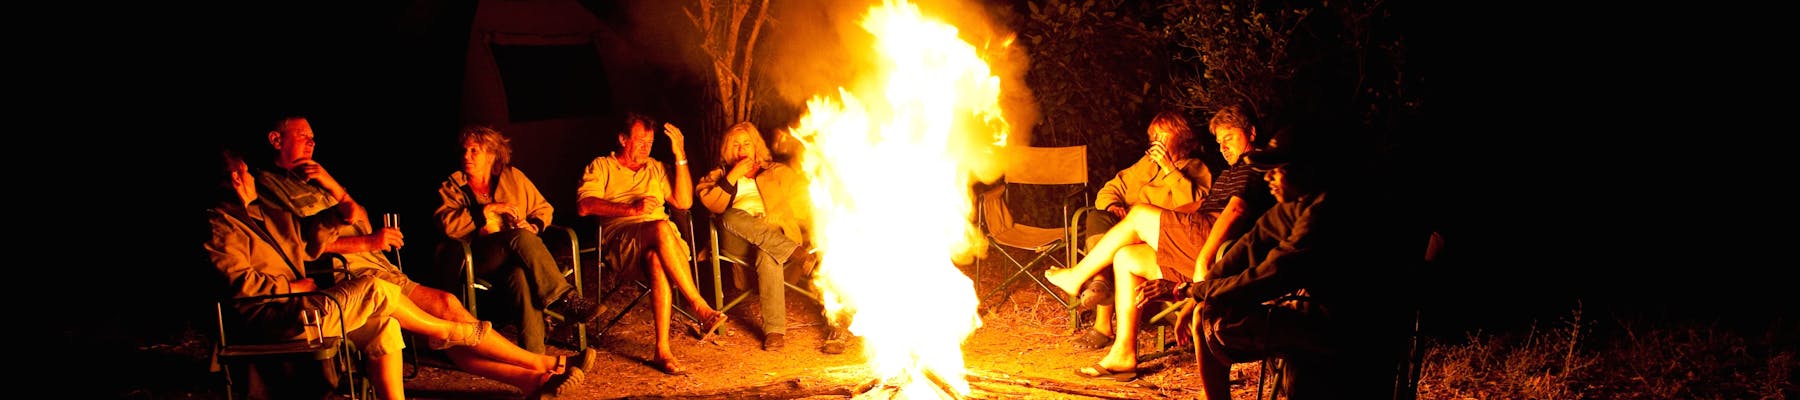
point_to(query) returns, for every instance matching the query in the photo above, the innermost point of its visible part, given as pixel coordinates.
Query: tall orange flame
(891, 169)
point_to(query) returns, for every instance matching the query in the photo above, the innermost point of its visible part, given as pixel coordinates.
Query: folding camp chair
(568, 261)
(1046, 168)
(261, 357)
(684, 222)
(726, 249)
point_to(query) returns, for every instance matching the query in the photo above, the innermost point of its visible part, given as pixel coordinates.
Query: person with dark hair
(627, 190)
(258, 250)
(499, 212)
(1151, 235)
(766, 204)
(1342, 248)
(1166, 177)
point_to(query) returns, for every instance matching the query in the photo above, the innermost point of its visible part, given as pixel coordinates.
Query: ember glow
(891, 165)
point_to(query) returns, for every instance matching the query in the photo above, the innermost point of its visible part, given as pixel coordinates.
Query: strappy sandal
(710, 325)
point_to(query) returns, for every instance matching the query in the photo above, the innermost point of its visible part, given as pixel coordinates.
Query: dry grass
(1577, 358)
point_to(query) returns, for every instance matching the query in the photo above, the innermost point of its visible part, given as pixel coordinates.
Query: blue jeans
(772, 250)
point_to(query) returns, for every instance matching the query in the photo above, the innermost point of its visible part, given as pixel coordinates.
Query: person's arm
(347, 207)
(538, 211)
(453, 210)
(1275, 271)
(1114, 196)
(591, 195)
(715, 192)
(682, 195)
(229, 250)
(1187, 184)
(1221, 229)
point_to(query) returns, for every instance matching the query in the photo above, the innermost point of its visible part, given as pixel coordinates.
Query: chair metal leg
(1024, 270)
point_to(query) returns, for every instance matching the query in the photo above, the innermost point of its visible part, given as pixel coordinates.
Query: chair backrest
(1038, 172)
(1045, 165)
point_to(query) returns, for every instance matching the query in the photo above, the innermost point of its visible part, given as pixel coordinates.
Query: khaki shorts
(1181, 234)
(626, 247)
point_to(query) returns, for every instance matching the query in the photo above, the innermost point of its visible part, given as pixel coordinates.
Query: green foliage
(1094, 66)
(1342, 61)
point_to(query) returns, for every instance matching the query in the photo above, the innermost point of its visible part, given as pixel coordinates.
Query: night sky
(1542, 208)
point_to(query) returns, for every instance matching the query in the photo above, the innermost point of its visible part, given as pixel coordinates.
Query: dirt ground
(1024, 338)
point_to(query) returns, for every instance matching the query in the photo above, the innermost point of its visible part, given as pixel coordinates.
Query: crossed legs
(666, 267)
(1141, 226)
(1132, 266)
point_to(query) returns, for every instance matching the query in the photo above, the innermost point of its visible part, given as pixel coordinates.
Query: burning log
(983, 385)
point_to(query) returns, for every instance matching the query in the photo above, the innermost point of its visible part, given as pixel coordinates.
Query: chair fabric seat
(1029, 238)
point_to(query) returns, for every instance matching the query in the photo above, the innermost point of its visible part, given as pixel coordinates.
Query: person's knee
(386, 338)
(1143, 212)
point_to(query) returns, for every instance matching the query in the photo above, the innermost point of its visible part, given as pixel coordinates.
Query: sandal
(1092, 339)
(709, 325)
(1100, 372)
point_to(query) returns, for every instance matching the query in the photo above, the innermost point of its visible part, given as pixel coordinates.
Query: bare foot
(1063, 280)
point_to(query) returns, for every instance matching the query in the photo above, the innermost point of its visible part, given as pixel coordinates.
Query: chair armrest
(232, 303)
(574, 251)
(1073, 230)
(328, 269)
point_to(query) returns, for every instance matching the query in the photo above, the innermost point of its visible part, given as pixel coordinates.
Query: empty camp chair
(1062, 170)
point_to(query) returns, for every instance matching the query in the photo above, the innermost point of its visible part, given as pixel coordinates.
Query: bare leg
(1141, 226)
(1215, 375)
(525, 373)
(674, 261)
(663, 300)
(388, 377)
(491, 347)
(1103, 319)
(1134, 265)
(526, 379)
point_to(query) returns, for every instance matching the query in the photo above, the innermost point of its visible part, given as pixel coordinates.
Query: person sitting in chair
(1167, 177)
(1151, 235)
(627, 191)
(766, 204)
(259, 250)
(300, 187)
(499, 212)
(1343, 248)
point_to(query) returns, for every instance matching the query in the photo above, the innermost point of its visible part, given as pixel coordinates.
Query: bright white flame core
(891, 175)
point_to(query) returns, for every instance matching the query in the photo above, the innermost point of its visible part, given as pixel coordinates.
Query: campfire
(891, 158)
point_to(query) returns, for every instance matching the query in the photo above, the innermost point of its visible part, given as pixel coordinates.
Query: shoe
(1100, 372)
(1098, 291)
(583, 360)
(774, 341)
(1092, 339)
(806, 260)
(576, 309)
(554, 387)
(836, 342)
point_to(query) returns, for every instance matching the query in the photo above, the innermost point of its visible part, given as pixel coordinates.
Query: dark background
(1560, 181)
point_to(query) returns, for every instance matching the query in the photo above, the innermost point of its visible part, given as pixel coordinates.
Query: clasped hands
(501, 216)
(1162, 290)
